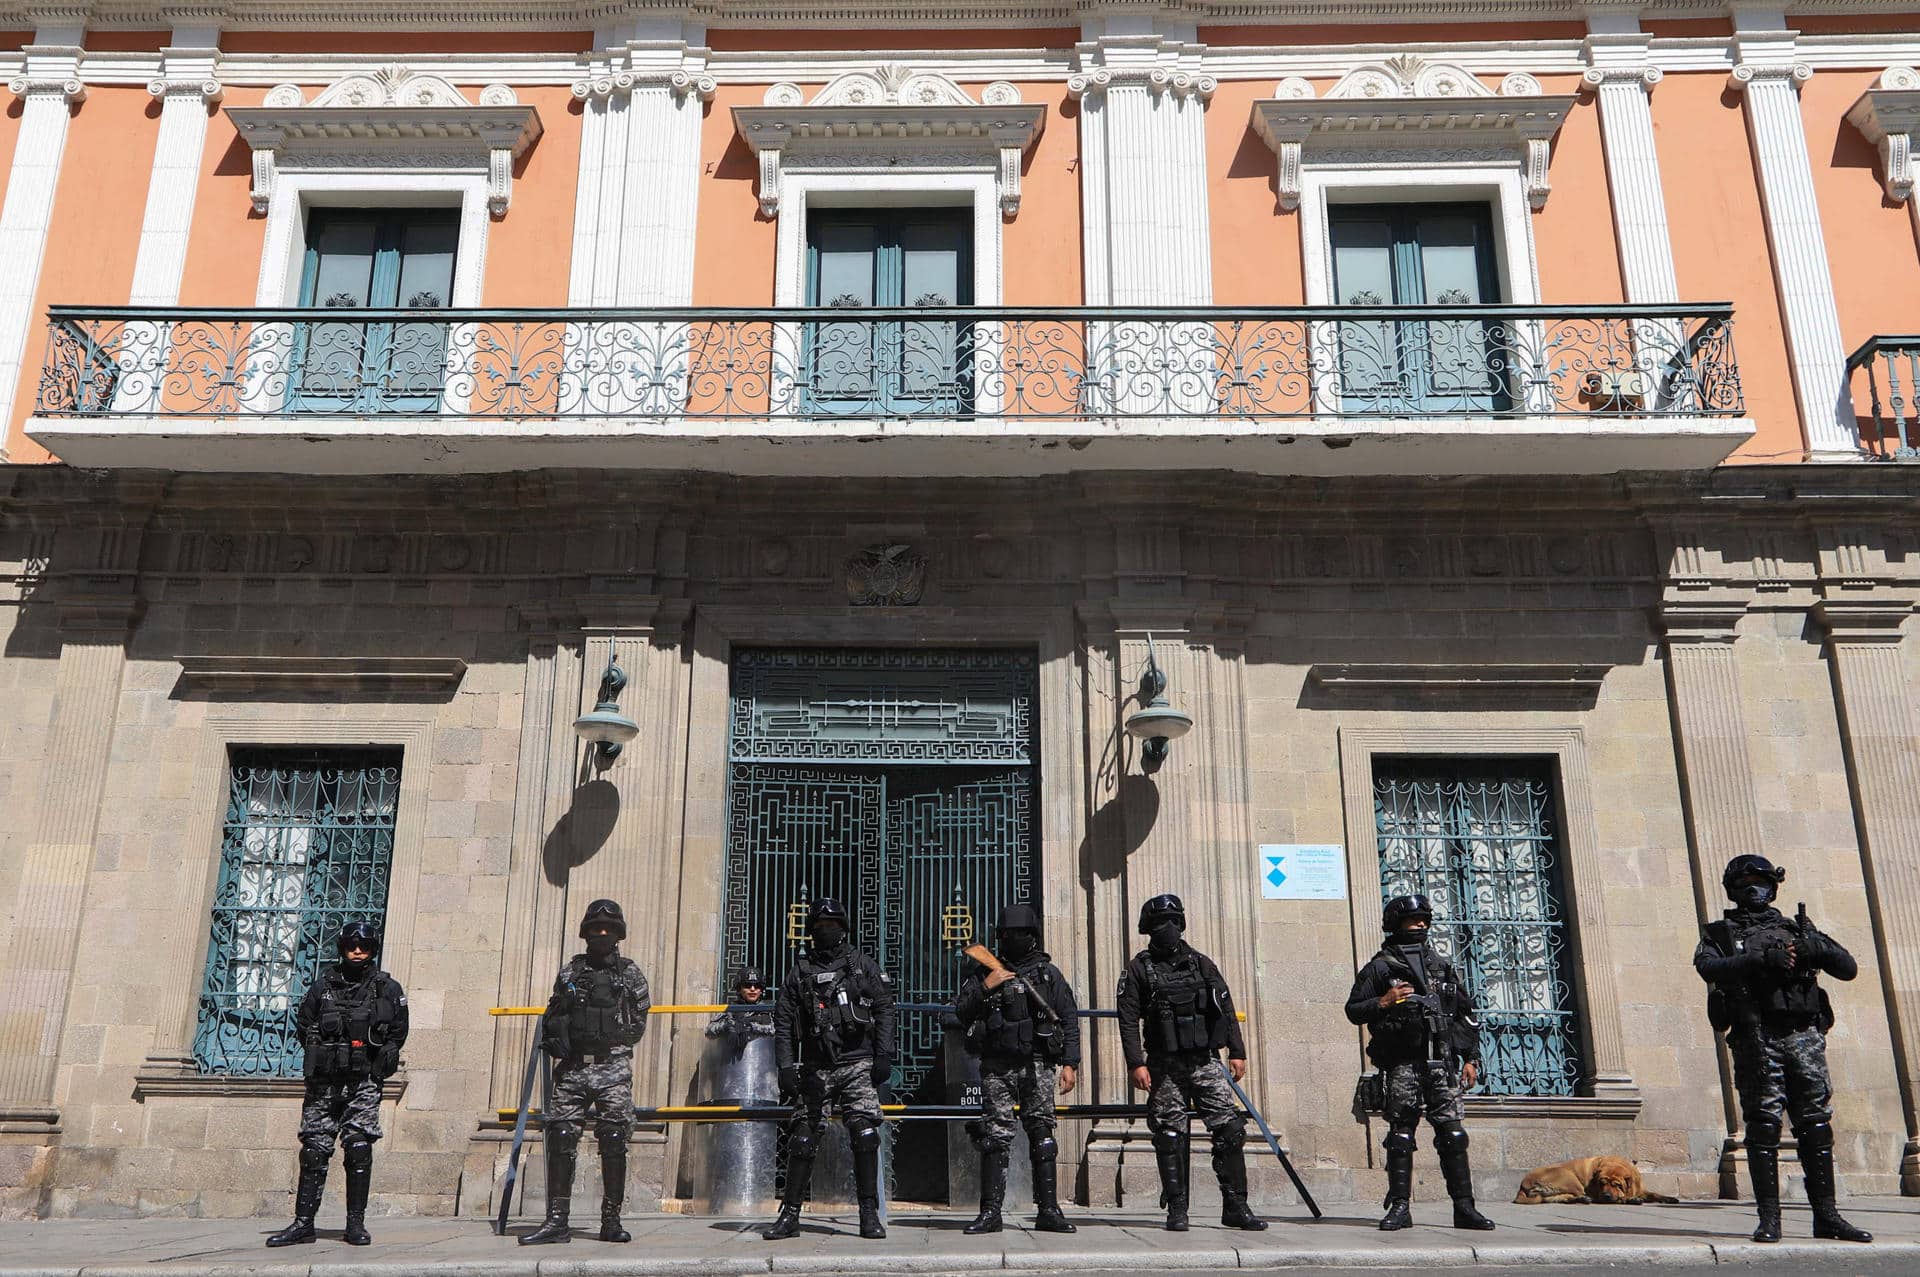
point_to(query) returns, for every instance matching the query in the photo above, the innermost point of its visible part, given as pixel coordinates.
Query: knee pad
(565, 1135)
(357, 1154)
(314, 1154)
(1449, 1137)
(801, 1144)
(864, 1135)
(1230, 1134)
(1399, 1141)
(1814, 1135)
(614, 1137)
(1764, 1134)
(1044, 1149)
(1168, 1142)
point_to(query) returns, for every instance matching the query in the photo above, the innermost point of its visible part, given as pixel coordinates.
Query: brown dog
(1602, 1180)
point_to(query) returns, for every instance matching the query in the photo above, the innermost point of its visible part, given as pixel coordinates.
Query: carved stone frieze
(886, 576)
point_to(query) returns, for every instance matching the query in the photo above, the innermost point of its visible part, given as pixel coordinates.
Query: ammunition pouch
(1369, 1095)
(346, 1040)
(1177, 1021)
(595, 1022)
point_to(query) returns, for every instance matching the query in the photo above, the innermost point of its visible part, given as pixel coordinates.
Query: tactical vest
(838, 1007)
(355, 1019)
(1420, 1030)
(594, 1013)
(1777, 999)
(1179, 1007)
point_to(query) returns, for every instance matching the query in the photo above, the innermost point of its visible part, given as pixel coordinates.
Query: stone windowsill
(1617, 1105)
(170, 1079)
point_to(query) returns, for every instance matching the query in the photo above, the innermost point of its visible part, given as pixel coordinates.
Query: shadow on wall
(1118, 828)
(580, 834)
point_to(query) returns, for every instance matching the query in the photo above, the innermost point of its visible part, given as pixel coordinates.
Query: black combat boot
(1230, 1166)
(993, 1192)
(1046, 1188)
(357, 1157)
(1171, 1153)
(1450, 1141)
(613, 1187)
(1399, 1203)
(306, 1198)
(562, 1147)
(1763, 1171)
(1816, 1159)
(799, 1179)
(866, 1181)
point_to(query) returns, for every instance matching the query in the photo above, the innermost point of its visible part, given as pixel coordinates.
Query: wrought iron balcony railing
(976, 363)
(1892, 365)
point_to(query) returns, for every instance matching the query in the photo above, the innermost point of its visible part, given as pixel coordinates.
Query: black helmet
(1018, 918)
(605, 911)
(1400, 908)
(1751, 866)
(746, 976)
(357, 932)
(1160, 909)
(826, 907)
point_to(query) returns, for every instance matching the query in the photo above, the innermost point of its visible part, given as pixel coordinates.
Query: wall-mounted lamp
(1156, 722)
(606, 728)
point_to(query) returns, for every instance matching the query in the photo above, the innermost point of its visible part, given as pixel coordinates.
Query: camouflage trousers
(848, 1088)
(1030, 1086)
(1781, 1074)
(601, 1088)
(1432, 1085)
(337, 1107)
(1192, 1077)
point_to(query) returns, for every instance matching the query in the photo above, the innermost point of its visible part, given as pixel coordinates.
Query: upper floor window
(307, 847)
(1478, 837)
(1419, 255)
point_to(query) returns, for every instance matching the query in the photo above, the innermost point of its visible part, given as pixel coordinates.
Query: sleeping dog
(1603, 1180)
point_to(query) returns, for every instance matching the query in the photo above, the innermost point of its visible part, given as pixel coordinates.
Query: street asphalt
(1692, 1236)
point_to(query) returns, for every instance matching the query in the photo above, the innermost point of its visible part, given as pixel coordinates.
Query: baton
(1272, 1143)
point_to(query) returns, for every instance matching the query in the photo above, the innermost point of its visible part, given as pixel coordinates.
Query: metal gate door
(900, 781)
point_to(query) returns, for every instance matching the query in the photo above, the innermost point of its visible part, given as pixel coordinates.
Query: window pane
(1371, 377)
(1479, 839)
(340, 278)
(307, 847)
(932, 254)
(417, 364)
(1458, 354)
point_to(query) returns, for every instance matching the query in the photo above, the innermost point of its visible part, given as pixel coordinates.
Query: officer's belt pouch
(1825, 1015)
(1369, 1095)
(1719, 1015)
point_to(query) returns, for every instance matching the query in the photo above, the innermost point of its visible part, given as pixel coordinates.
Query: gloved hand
(1814, 948)
(790, 1083)
(387, 1063)
(881, 1071)
(555, 1043)
(1779, 959)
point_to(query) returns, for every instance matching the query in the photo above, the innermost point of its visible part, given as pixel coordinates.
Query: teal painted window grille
(1420, 255)
(307, 846)
(357, 258)
(920, 258)
(1480, 838)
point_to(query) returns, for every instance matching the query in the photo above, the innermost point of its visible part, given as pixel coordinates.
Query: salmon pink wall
(95, 234)
(530, 249)
(748, 40)
(733, 245)
(1040, 259)
(224, 246)
(1720, 246)
(1255, 245)
(1573, 235)
(402, 42)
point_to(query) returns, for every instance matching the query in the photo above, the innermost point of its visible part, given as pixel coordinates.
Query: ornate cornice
(1888, 115)
(893, 116)
(393, 115)
(1408, 103)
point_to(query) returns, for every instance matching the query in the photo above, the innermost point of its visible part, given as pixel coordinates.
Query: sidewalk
(1693, 1233)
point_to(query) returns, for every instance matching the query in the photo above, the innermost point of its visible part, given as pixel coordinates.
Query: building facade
(1493, 421)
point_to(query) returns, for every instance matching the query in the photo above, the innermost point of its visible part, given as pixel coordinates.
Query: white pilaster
(187, 84)
(1143, 171)
(49, 85)
(1767, 72)
(1623, 76)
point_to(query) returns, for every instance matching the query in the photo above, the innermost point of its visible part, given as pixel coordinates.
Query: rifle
(1042, 1009)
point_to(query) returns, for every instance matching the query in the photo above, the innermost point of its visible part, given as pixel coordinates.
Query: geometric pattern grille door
(898, 780)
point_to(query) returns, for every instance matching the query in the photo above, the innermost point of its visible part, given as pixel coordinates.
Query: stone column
(36, 966)
(1873, 694)
(1766, 71)
(1623, 78)
(50, 86)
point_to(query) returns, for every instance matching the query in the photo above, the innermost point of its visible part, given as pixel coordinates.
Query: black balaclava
(1019, 944)
(352, 970)
(601, 946)
(1164, 938)
(828, 934)
(1754, 895)
(1409, 938)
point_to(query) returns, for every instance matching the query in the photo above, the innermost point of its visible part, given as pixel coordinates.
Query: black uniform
(352, 1023)
(1021, 1053)
(1763, 970)
(1176, 1014)
(834, 1042)
(1420, 1046)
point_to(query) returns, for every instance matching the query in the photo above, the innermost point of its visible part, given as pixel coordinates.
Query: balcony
(962, 390)
(1892, 366)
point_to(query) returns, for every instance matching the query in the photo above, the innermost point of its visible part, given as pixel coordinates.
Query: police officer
(750, 1016)
(1022, 1059)
(1176, 995)
(833, 1040)
(1423, 1034)
(1763, 969)
(352, 1023)
(597, 1013)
